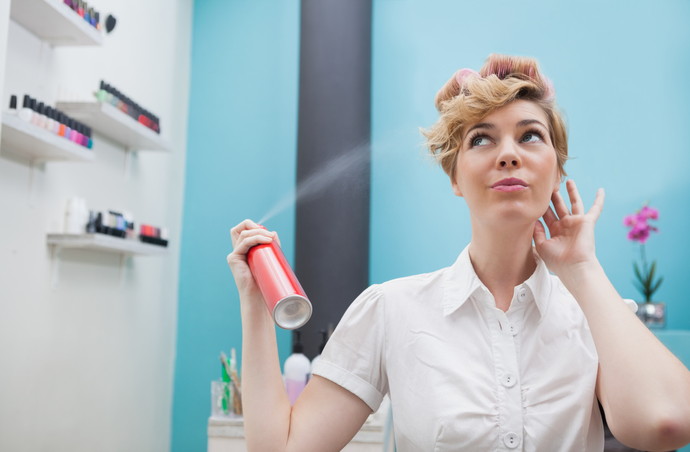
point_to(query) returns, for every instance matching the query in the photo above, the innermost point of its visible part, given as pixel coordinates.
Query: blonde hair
(468, 97)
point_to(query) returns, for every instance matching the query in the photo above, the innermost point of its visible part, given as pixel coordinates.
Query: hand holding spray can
(286, 300)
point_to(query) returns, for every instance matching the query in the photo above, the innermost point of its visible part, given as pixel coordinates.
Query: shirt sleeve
(354, 355)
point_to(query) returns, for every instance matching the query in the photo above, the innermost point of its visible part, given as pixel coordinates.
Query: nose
(508, 156)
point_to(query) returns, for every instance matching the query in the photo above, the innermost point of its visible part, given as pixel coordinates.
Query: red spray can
(286, 300)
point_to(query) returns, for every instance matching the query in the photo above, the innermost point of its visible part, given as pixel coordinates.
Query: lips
(509, 182)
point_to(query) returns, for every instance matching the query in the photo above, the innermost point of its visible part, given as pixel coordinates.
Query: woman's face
(506, 168)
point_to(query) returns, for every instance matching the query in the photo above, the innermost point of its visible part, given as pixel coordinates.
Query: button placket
(508, 374)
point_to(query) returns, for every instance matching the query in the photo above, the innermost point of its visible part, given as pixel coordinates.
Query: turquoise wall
(620, 69)
(241, 159)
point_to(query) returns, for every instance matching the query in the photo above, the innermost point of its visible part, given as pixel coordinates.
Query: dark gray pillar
(333, 159)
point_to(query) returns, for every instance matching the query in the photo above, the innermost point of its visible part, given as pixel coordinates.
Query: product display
(91, 16)
(108, 94)
(296, 370)
(153, 235)
(80, 220)
(52, 120)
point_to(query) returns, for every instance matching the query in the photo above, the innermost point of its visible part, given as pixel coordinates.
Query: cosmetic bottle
(34, 112)
(101, 94)
(89, 136)
(76, 216)
(324, 339)
(54, 124)
(25, 113)
(13, 105)
(296, 369)
(48, 111)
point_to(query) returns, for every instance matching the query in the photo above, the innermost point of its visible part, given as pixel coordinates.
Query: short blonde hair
(502, 80)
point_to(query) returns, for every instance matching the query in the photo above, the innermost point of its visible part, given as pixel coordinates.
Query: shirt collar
(462, 282)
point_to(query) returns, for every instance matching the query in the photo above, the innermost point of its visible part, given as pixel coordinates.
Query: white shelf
(116, 125)
(103, 242)
(54, 22)
(24, 138)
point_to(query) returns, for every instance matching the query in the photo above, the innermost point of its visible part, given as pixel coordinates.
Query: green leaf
(637, 273)
(650, 277)
(656, 286)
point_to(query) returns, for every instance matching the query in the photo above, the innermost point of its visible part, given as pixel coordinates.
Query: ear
(456, 188)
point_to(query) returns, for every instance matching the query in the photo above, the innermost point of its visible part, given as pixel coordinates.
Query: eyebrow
(488, 125)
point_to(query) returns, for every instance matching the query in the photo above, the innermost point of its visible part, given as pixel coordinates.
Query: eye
(532, 137)
(479, 140)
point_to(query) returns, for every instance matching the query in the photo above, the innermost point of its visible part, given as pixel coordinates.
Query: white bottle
(324, 339)
(296, 369)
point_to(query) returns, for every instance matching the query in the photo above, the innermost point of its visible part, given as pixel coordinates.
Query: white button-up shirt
(462, 374)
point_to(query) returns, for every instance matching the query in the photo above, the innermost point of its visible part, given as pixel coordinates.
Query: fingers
(576, 205)
(550, 218)
(539, 234)
(598, 205)
(249, 238)
(559, 205)
(248, 234)
(243, 226)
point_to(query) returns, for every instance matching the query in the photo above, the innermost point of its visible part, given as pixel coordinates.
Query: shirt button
(513, 330)
(511, 440)
(522, 295)
(508, 380)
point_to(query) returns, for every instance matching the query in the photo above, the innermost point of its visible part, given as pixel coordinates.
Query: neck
(502, 258)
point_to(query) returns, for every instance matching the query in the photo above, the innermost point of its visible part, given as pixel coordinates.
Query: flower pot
(652, 314)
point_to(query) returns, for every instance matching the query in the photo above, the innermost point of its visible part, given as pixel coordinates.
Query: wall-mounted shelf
(116, 125)
(23, 138)
(103, 242)
(54, 22)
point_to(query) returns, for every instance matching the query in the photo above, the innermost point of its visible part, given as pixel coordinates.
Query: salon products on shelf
(80, 220)
(108, 94)
(91, 16)
(153, 235)
(51, 119)
(296, 369)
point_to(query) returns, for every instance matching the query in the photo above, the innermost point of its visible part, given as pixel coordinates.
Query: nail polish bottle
(56, 123)
(48, 124)
(82, 135)
(84, 139)
(98, 21)
(34, 109)
(80, 8)
(89, 135)
(101, 93)
(87, 13)
(68, 129)
(75, 131)
(13, 105)
(61, 124)
(26, 113)
(43, 119)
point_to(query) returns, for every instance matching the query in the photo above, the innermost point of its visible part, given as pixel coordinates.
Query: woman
(494, 352)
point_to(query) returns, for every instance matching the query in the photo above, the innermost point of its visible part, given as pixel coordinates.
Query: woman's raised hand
(572, 231)
(244, 236)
